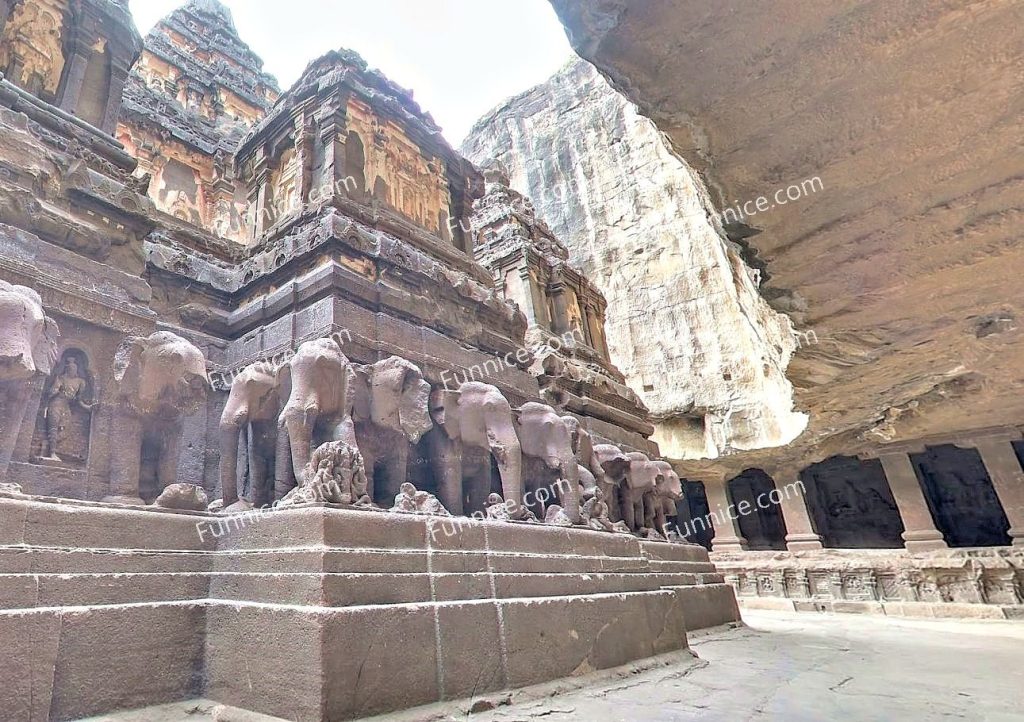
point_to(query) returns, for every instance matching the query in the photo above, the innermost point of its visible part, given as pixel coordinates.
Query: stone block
(114, 658)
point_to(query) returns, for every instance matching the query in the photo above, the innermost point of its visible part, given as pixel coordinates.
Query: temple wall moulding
(881, 581)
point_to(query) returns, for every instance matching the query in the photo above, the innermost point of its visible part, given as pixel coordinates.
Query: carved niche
(65, 413)
(31, 52)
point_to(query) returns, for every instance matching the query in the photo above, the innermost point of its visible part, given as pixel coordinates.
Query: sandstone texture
(905, 265)
(685, 321)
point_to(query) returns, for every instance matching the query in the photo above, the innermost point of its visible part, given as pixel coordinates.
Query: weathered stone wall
(686, 324)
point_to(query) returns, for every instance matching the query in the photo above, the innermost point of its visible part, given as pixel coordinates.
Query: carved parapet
(886, 579)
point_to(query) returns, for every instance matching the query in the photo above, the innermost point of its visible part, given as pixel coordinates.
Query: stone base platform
(321, 612)
(980, 583)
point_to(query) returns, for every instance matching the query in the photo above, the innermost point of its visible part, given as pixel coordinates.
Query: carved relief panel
(396, 171)
(31, 52)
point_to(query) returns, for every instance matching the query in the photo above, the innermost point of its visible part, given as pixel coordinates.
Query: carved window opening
(283, 193)
(177, 191)
(762, 528)
(961, 497)
(355, 166)
(64, 421)
(381, 191)
(852, 505)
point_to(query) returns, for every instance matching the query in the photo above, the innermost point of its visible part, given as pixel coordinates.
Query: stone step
(26, 591)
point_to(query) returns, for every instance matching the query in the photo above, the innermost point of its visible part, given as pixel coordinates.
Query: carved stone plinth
(982, 583)
(239, 610)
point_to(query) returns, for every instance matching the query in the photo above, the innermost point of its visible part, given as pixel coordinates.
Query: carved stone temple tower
(565, 311)
(155, 255)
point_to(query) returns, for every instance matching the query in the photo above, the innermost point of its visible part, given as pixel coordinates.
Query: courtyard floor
(779, 667)
(816, 667)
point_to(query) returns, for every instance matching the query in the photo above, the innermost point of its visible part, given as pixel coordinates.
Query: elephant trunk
(229, 434)
(509, 455)
(299, 425)
(570, 488)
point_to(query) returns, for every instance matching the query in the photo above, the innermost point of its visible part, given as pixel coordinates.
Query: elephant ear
(44, 354)
(128, 365)
(414, 412)
(360, 391)
(444, 411)
(284, 382)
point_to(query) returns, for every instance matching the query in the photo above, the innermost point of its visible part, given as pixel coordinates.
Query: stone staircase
(320, 612)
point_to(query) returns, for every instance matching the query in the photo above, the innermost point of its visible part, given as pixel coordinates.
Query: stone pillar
(800, 532)
(919, 533)
(1008, 479)
(535, 315)
(125, 458)
(74, 71)
(305, 140)
(560, 321)
(727, 526)
(118, 77)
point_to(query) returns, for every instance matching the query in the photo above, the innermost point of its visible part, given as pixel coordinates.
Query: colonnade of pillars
(921, 532)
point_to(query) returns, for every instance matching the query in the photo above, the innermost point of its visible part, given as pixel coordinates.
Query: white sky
(460, 57)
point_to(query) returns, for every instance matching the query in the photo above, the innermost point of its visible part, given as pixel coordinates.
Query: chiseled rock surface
(906, 265)
(686, 324)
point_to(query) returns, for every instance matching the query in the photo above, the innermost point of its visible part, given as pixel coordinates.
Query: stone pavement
(816, 667)
(789, 667)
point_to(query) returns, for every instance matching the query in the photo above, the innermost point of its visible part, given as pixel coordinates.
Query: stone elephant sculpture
(391, 411)
(614, 465)
(252, 408)
(662, 503)
(473, 425)
(317, 386)
(28, 351)
(548, 458)
(160, 379)
(583, 449)
(641, 479)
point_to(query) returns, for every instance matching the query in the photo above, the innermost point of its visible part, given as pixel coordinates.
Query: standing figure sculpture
(66, 391)
(28, 350)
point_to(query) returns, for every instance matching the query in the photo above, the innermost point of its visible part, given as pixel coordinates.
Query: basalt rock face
(686, 324)
(907, 264)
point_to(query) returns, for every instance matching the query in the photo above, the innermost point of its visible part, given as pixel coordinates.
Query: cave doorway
(693, 513)
(852, 505)
(762, 524)
(961, 497)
